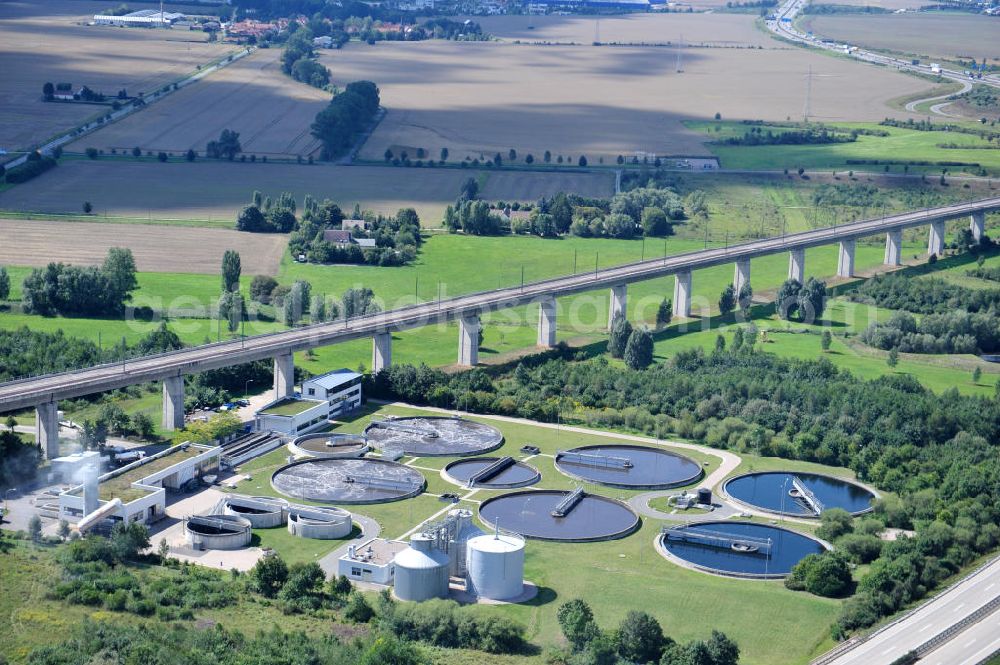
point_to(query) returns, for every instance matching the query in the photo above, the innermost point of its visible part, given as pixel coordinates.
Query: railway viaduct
(44, 392)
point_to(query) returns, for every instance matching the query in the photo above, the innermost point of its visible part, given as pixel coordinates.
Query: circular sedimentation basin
(432, 436)
(348, 481)
(629, 467)
(798, 494)
(531, 514)
(491, 473)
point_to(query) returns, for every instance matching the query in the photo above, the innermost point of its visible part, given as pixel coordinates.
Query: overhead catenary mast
(805, 108)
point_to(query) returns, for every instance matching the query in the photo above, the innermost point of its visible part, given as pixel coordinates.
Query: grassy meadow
(901, 145)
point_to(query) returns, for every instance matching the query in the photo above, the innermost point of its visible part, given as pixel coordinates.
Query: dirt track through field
(156, 248)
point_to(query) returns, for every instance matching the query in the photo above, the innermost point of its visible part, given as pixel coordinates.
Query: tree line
(643, 211)
(639, 638)
(88, 291)
(348, 114)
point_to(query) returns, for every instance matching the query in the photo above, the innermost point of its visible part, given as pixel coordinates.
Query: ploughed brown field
(216, 191)
(720, 30)
(272, 113)
(478, 99)
(929, 35)
(156, 248)
(42, 41)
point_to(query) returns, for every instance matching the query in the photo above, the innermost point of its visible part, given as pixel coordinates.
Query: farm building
(140, 488)
(341, 388)
(343, 238)
(144, 18)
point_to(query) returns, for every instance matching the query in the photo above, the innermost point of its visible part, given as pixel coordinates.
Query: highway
(970, 647)
(784, 27)
(31, 392)
(932, 619)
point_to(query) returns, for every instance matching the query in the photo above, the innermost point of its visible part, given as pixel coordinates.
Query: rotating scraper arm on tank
(409, 429)
(589, 459)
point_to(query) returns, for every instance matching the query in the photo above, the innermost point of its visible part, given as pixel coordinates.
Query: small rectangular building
(292, 416)
(341, 389)
(371, 561)
(70, 468)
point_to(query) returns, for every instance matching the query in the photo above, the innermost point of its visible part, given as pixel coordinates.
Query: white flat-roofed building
(142, 18)
(142, 486)
(292, 416)
(371, 561)
(341, 389)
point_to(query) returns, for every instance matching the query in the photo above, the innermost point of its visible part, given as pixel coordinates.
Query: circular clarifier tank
(429, 436)
(630, 467)
(799, 494)
(560, 515)
(348, 481)
(327, 445)
(491, 473)
(739, 549)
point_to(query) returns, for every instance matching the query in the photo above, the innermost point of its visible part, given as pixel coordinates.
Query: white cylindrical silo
(465, 530)
(421, 570)
(496, 566)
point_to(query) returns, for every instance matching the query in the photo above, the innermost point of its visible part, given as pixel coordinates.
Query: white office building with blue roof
(341, 388)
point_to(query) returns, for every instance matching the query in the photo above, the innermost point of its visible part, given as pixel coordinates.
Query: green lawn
(901, 145)
(290, 407)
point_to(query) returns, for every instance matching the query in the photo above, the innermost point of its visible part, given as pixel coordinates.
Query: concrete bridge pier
(893, 247)
(935, 239)
(845, 263)
(381, 352)
(797, 265)
(468, 340)
(547, 322)
(619, 296)
(682, 294)
(173, 402)
(742, 275)
(977, 224)
(47, 428)
(284, 375)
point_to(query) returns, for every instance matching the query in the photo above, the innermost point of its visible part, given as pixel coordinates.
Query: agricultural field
(900, 146)
(482, 98)
(210, 191)
(156, 248)
(929, 35)
(271, 111)
(43, 41)
(708, 30)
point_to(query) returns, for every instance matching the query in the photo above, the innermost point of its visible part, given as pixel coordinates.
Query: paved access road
(34, 391)
(933, 618)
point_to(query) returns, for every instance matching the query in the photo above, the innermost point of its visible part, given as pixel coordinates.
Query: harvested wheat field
(271, 111)
(215, 191)
(720, 30)
(156, 248)
(478, 99)
(44, 41)
(928, 35)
